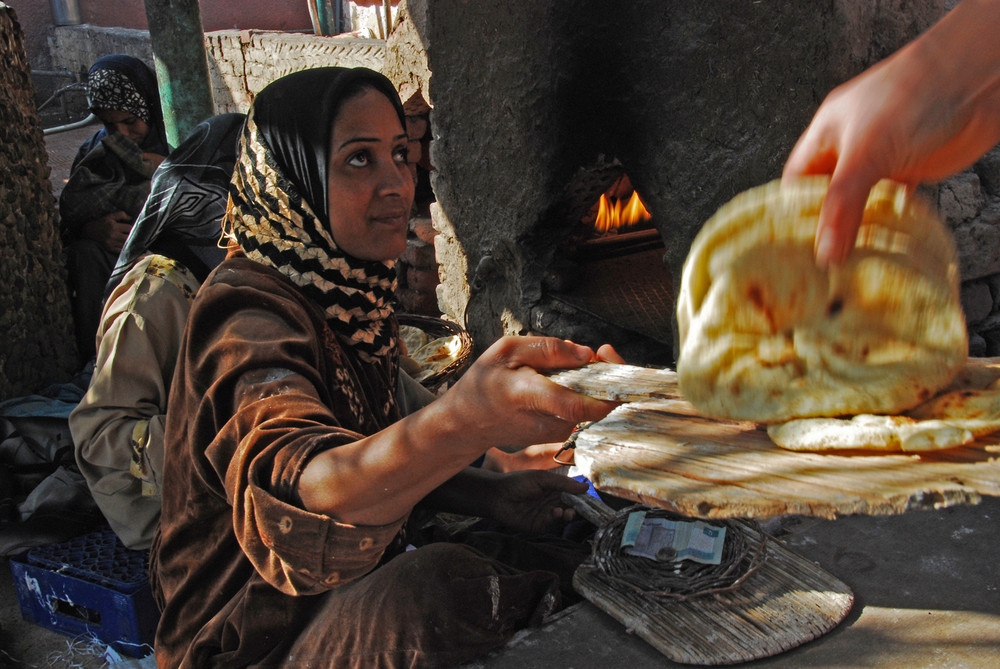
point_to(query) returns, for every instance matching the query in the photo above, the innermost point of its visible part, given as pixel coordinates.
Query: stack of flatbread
(866, 354)
(424, 357)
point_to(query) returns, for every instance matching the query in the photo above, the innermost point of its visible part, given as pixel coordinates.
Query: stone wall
(37, 343)
(970, 203)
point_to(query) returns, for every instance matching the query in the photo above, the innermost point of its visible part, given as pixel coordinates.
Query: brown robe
(243, 574)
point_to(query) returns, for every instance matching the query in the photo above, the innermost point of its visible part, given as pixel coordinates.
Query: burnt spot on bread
(835, 306)
(924, 394)
(755, 295)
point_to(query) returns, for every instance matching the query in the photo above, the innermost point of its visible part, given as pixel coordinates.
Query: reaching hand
(531, 501)
(507, 403)
(931, 109)
(111, 230)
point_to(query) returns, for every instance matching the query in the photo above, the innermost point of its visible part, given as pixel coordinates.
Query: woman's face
(126, 123)
(369, 184)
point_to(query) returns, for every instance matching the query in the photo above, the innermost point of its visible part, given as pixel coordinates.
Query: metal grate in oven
(633, 291)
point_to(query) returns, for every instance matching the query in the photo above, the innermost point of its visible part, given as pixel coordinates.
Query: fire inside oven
(612, 266)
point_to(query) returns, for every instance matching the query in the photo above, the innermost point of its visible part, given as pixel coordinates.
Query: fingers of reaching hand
(540, 353)
(840, 217)
(607, 353)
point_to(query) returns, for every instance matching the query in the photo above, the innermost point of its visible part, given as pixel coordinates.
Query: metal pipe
(65, 12)
(53, 73)
(58, 94)
(178, 42)
(70, 126)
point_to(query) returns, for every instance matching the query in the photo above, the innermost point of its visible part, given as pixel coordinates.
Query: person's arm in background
(926, 112)
(110, 230)
(118, 426)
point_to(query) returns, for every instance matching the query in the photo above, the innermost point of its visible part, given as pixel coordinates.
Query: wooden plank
(662, 452)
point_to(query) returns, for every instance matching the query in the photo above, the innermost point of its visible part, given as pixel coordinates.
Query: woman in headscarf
(291, 475)
(117, 427)
(108, 183)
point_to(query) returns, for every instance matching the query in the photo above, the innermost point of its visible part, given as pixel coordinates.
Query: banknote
(668, 540)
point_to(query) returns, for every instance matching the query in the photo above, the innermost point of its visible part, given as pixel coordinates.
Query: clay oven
(539, 107)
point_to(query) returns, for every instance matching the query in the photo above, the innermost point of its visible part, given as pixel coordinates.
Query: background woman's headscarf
(127, 84)
(182, 217)
(279, 213)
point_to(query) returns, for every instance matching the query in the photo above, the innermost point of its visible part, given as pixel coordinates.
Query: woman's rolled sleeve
(312, 553)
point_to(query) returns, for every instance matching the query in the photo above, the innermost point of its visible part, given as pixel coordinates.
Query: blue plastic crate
(91, 585)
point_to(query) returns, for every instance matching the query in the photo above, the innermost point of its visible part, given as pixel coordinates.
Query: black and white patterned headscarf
(110, 89)
(278, 205)
(123, 83)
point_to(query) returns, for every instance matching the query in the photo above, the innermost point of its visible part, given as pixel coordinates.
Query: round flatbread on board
(967, 409)
(766, 335)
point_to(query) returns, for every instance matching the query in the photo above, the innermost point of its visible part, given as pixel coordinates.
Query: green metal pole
(178, 42)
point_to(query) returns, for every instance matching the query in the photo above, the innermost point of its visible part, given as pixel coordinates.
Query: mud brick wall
(240, 62)
(36, 342)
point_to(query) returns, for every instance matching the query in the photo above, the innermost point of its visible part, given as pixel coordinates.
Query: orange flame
(614, 216)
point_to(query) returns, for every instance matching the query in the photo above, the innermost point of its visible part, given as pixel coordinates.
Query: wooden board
(661, 452)
(785, 603)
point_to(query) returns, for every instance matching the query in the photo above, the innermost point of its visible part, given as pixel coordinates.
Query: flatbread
(768, 336)
(413, 337)
(870, 433)
(437, 354)
(969, 408)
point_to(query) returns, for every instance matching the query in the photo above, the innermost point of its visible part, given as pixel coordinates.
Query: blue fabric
(591, 490)
(39, 405)
(54, 401)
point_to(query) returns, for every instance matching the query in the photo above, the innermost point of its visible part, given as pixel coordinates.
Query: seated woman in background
(117, 427)
(292, 479)
(108, 183)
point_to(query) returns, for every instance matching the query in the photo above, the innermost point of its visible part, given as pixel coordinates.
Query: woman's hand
(538, 456)
(924, 113)
(153, 160)
(111, 230)
(531, 501)
(502, 400)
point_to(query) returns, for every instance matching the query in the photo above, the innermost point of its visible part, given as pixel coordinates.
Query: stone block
(988, 169)
(423, 228)
(960, 198)
(422, 280)
(419, 254)
(977, 301)
(977, 345)
(978, 249)
(418, 302)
